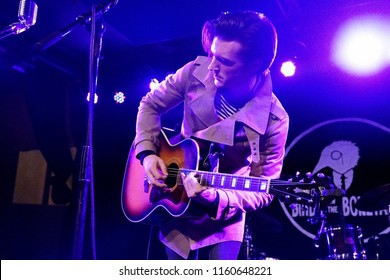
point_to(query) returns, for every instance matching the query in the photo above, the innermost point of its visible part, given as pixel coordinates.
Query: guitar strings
(275, 182)
(254, 186)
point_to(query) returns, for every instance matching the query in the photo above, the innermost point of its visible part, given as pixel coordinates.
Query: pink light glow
(288, 68)
(362, 46)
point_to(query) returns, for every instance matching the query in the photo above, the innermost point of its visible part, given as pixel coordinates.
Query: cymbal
(376, 199)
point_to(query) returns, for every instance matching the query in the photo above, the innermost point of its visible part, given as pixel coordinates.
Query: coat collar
(202, 72)
(256, 112)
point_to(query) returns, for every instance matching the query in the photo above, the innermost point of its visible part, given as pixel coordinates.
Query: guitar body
(142, 202)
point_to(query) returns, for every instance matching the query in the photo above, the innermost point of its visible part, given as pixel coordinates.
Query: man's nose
(213, 65)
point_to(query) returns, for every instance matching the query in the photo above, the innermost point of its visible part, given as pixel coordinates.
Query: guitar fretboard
(228, 181)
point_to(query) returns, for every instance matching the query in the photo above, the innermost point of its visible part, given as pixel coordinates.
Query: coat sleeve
(168, 94)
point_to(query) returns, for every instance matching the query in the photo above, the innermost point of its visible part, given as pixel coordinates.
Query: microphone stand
(85, 180)
(83, 19)
(56, 36)
(86, 164)
(14, 28)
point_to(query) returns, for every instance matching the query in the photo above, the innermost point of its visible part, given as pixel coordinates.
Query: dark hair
(207, 35)
(253, 30)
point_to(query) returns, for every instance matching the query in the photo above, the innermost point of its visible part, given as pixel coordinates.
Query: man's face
(228, 68)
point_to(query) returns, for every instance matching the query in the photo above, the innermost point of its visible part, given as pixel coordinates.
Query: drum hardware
(379, 246)
(261, 225)
(249, 250)
(375, 200)
(342, 241)
(374, 246)
(248, 244)
(345, 243)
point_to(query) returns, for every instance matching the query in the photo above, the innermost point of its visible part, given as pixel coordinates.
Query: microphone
(28, 11)
(27, 15)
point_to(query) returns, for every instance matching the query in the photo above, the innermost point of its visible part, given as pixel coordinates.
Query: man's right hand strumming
(155, 170)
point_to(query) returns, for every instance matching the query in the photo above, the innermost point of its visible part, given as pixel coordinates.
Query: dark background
(43, 107)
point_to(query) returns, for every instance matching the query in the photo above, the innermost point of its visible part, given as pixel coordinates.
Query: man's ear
(257, 65)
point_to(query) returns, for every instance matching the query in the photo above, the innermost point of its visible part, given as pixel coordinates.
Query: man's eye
(226, 62)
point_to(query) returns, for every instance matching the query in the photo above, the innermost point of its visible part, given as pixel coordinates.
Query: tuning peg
(321, 175)
(293, 206)
(309, 174)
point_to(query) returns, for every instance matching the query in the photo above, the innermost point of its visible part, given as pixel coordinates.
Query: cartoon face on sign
(342, 157)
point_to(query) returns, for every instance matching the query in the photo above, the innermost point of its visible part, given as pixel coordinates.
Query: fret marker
(263, 185)
(247, 184)
(222, 181)
(234, 181)
(213, 180)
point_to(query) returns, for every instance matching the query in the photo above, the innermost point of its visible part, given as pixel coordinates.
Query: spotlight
(361, 47)
(288, 68)
(153, 83)
(119, 97)
(95, 100)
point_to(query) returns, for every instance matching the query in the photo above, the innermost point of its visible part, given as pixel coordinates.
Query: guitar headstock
(306, 189)
(324, 185)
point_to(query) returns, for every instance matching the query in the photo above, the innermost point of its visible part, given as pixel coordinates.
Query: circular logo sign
(354, 154)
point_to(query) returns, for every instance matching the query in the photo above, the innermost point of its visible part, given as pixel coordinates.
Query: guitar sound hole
(172, 175)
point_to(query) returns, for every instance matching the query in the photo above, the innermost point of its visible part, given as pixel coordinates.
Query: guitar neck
(231, 182)
(291, 192)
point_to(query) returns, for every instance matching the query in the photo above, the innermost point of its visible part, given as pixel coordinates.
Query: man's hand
(155, 170)
(196, 191)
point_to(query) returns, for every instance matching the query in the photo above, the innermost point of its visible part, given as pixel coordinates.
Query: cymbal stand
(248, 246)
(319, 216)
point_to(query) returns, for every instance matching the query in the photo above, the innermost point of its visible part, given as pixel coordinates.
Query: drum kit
(343, 241)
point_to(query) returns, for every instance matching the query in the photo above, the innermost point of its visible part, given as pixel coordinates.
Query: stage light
(95, 100)
(153, 83)
(119, 97)
(361, 46)
(288, 68)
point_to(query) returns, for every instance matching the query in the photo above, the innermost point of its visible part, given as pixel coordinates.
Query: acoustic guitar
(143, 202)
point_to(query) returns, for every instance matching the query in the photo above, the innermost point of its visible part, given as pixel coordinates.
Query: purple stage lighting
(119, 97)
(95, 100)
(153, 83)
(362, 46)
(288, 68)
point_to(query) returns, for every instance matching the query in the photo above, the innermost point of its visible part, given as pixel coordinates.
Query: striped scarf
(224, 109)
